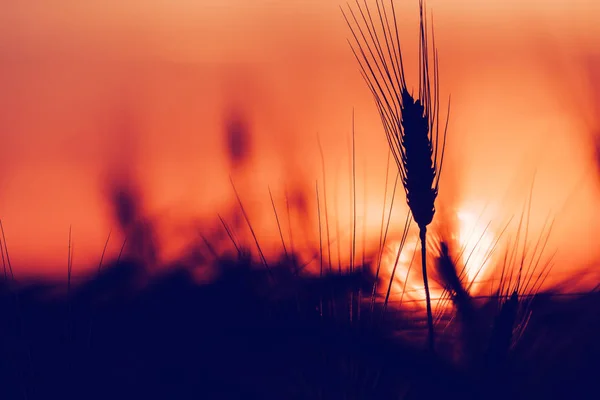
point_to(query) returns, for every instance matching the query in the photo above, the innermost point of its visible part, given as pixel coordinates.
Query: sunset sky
(93, 91)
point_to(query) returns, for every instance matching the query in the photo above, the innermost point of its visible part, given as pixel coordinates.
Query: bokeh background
(174, 97)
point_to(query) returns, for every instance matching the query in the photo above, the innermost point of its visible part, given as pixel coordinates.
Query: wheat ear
(411, 123)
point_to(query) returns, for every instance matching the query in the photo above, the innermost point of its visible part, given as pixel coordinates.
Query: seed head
(411, 123)
(417, 161)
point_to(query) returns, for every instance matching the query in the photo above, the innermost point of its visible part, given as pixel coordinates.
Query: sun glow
(474, 244)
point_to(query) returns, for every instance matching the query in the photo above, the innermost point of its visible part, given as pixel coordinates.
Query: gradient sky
(143, 89)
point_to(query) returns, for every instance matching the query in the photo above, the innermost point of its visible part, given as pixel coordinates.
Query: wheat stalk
(411, 123)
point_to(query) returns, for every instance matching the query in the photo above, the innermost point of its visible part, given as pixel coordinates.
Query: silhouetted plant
(411, 124)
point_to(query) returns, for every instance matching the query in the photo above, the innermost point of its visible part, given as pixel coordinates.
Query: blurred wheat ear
(411, 124)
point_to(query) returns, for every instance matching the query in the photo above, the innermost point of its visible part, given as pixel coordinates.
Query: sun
(474, 242)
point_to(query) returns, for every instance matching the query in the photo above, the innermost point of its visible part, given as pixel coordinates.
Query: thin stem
(260, 252)
(423, 236)
(278, 225)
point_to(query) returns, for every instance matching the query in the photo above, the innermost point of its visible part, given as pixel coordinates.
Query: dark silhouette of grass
(411, 121)
(248, 333)
(251, 333)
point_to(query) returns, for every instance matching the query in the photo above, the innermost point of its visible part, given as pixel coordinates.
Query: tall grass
(410, 121)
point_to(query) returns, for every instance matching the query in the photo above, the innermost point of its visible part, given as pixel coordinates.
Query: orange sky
(83, 84)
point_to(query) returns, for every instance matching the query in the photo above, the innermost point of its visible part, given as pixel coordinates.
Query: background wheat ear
(411, 123)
